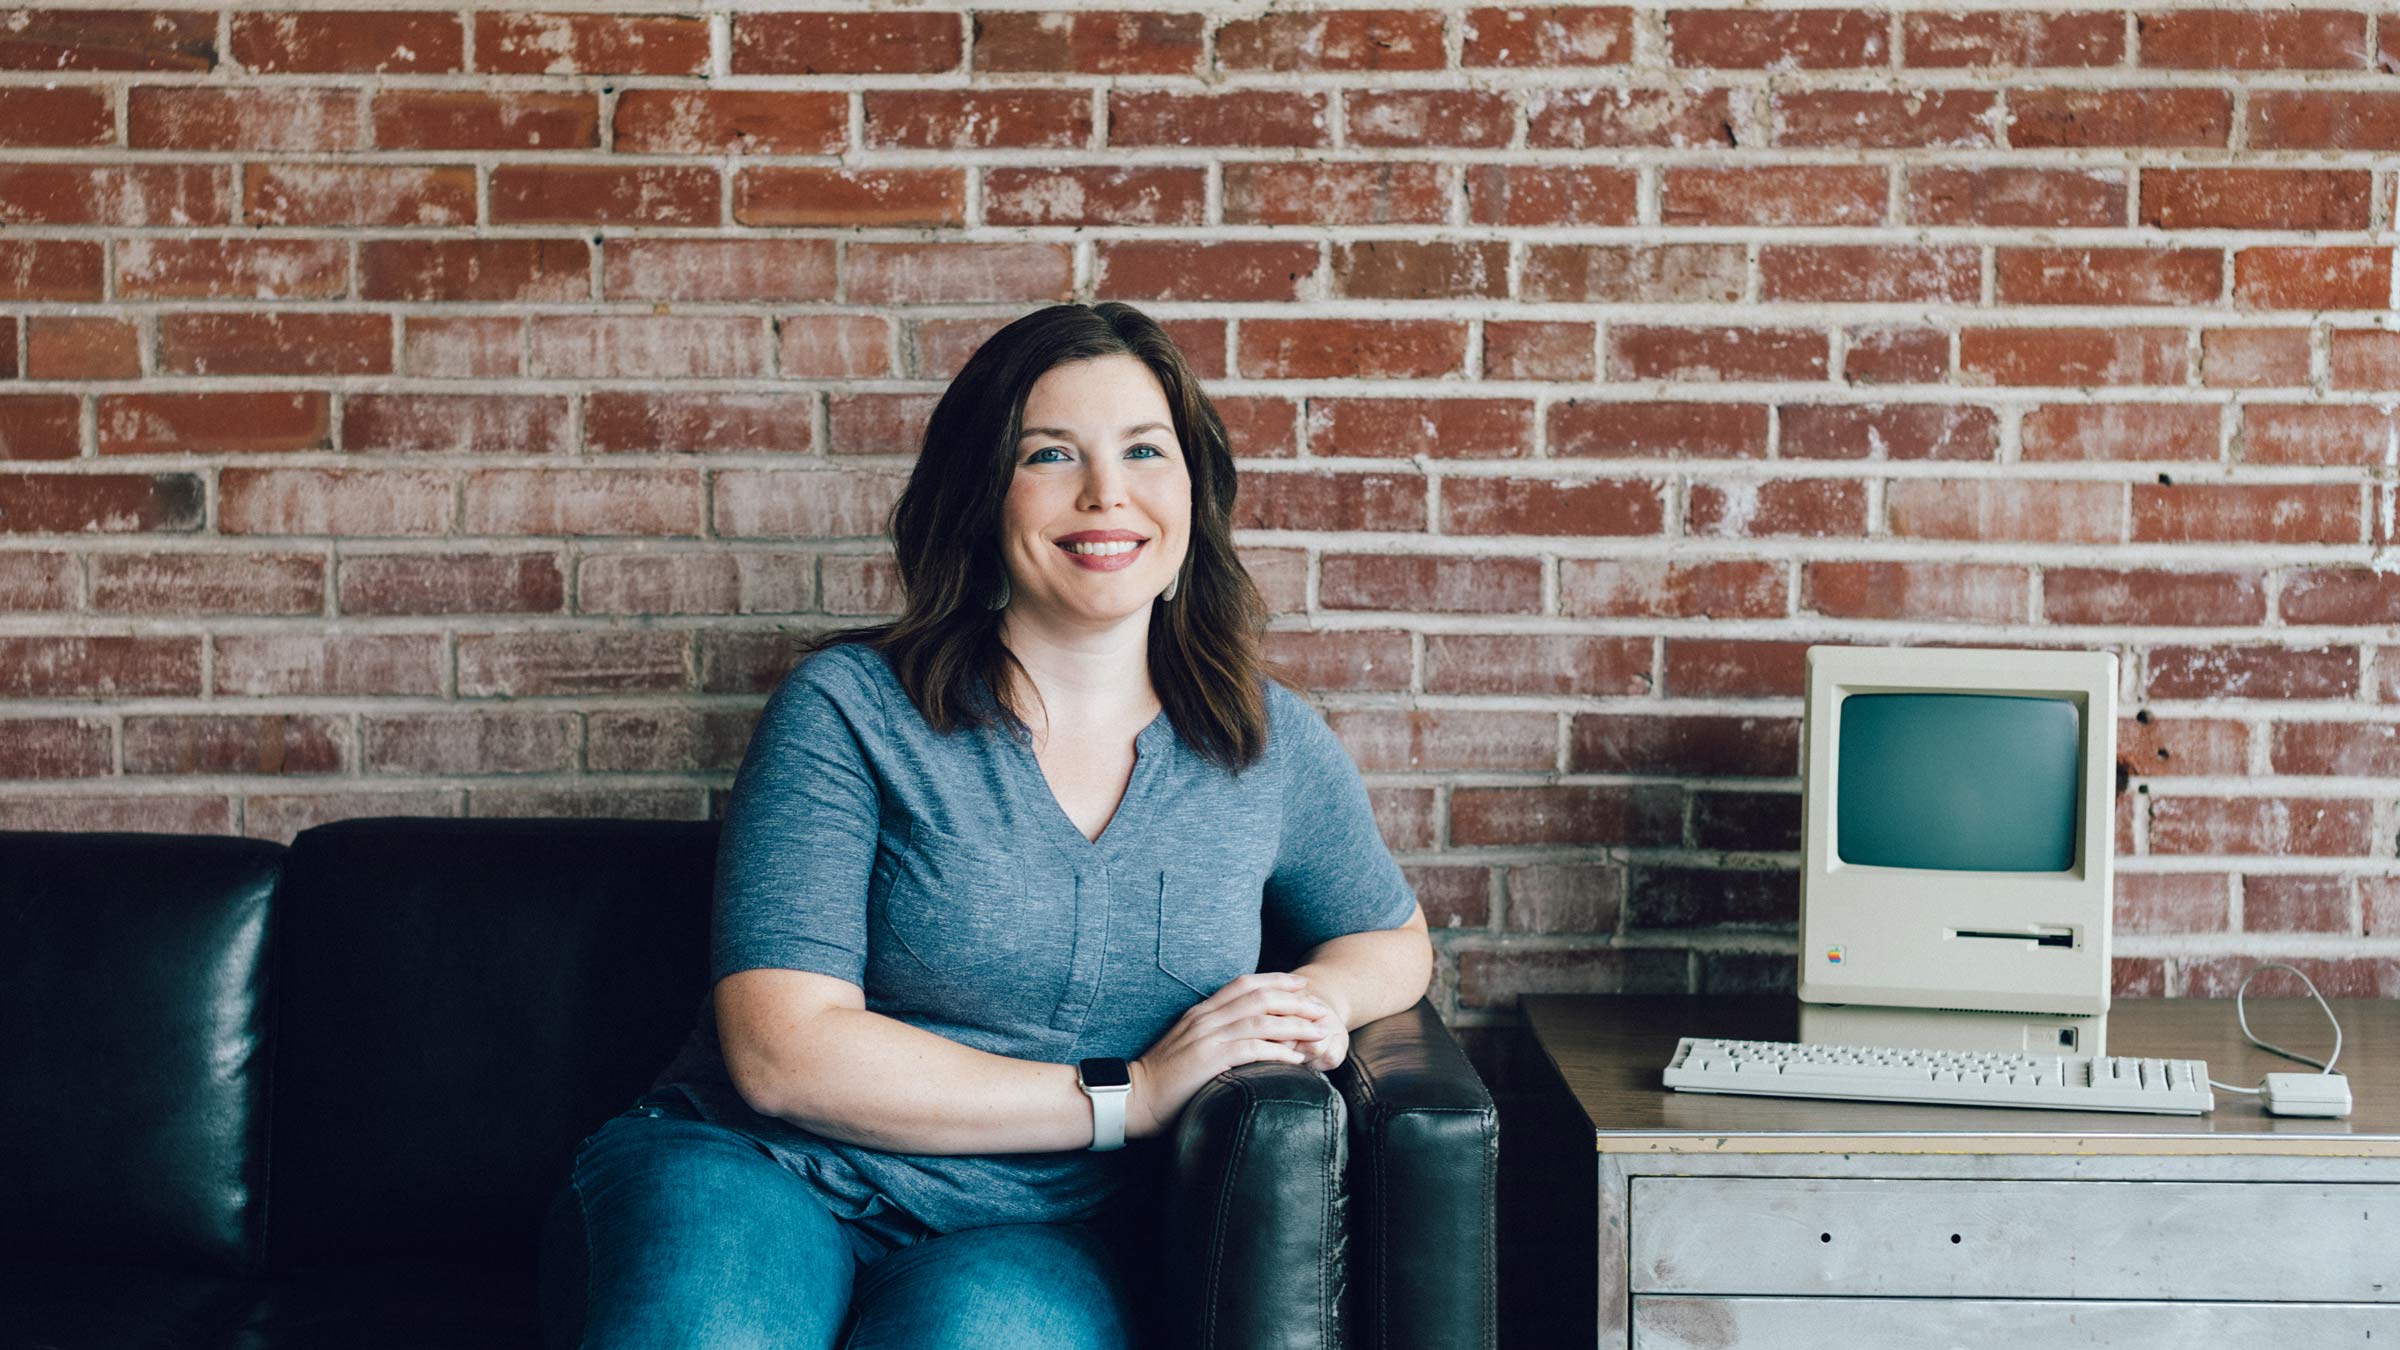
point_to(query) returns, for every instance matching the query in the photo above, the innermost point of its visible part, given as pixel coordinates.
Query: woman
(988, 899)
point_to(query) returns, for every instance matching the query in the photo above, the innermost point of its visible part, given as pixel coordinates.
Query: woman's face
(1099, 458)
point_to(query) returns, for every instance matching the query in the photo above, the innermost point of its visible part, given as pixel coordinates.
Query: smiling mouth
(1112, 548)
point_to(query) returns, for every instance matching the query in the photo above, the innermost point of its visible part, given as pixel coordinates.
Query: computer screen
(1958, 782)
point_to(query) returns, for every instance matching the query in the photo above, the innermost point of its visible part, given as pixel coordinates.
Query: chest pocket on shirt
(1208, 925)
(953, 905)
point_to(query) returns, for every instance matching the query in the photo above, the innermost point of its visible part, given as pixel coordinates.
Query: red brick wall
(452, 411)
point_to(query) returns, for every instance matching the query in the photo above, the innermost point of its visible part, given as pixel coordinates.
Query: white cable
(2326, 1064)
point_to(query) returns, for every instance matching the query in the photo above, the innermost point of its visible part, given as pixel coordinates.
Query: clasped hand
(1274, 1016)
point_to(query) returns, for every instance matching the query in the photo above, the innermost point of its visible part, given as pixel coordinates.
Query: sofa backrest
(133, 1064)
(458, 1003)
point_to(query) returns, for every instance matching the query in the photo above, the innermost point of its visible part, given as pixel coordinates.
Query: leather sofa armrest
(1425, 1147)
(1253, 1244)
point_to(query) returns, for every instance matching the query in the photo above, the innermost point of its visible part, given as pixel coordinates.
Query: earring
(999, 600)
(1172, 587)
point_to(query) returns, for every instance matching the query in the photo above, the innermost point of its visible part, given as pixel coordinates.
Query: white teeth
(1104, 550)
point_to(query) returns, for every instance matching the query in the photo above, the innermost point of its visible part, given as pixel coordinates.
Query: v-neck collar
(1150, 746)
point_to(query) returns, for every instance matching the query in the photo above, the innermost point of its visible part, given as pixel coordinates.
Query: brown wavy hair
(1206, 645)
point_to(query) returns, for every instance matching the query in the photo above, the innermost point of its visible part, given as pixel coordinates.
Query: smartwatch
(1109, 1084)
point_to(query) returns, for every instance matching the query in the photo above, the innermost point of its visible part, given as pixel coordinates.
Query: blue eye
(1036, 456)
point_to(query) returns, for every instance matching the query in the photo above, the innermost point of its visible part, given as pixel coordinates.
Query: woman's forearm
(1372, 975)
(864, 1078)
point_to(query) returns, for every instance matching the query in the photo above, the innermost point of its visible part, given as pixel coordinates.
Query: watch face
(1105, 1073)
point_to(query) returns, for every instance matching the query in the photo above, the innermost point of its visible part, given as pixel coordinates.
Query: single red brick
(264, 743)
(450, 119)
(2172, 902)
(2013, 38)
(736, 662)
(1658, 352)
(2031, 511)
(2312, 278)
(1964, 592)
(469, 742)
(877, 424)
(870, 584)
(649, 346)
(350, 42)
(2262, 826)
(1426, 740)
(503, 424)
(1616, 117)
(1870, 273)
(1404, 816)
(527, 665)
(1409, 118)
(591, 44)
(1814, 508)
(31, 582)
(183, 117)
(56, 747)
(2256, 199)
(2350, 749)
(1637, 815)
(1537, 195)
(110, 503)
(2252, 671)
(2052, 119)
(358, 194)
(697, 422)
(108, 39)
(2122, 431)
(742, 270)
(2277, 902)
(2108, 276)
(1261, 118)
(1446, 428)
(1231, 270)
(956, 272)
(2341, 595)
(1582, 508)
(2324, 119)
(333, 501)
(150, 813)
(1259, 426)
(1332, 501)
(1746, 822)
(2031, 198)
(214, 423)
(1442, 585)
(1698, 273)
(2297, 513)
(1548, 36)
(8, 349)
(2364, 358)
(804, 503)
(1889, 431)
(1380, 193)
(659, 583)
(864, 43)
(275, 344)
(76, 347)
(2315, 39)
(1099, 42)
(2072, 356)
(1894, 354)
(605, 194)
(1536, 663)
(834, 347)
(40, 426)
(208, 583)
(117, 195)
(95, 667)
(978, 119)
(1684, 747)
(1733, 668)
(1318, 39)
(2381, 897)
(1394, 349)
(1790, 195)
(1538, 349)
(530, 270)
(1565, 898)
(2352, 434)
(583, 501)
(64, 116)
(330, 664)
(1814, 39)
(1885, 119)
(478, 347)
(1453, 897)
(2256, 358)
(732, 121)
(1657, 428)
(50, 269)
(1656, 588)
(1402, 269)
(233, 269)
(2131, 596)
(1136, 195)
(670, 740)
(867, 197)
(2154, 747)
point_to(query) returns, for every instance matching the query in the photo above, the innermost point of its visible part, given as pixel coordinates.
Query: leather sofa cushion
(462, 1001)
(132, 1038)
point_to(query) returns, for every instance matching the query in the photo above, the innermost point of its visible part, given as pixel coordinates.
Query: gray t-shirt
(941, 876)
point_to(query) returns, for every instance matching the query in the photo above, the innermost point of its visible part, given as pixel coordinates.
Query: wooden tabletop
(1610, 1049)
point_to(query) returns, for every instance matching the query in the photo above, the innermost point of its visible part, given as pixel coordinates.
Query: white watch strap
(1108, 1117)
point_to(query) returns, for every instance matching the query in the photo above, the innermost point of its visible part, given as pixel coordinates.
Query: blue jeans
(692, 1234)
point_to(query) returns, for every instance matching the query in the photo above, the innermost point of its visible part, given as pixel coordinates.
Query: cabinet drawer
(2266, 1241)
(1671, 1323)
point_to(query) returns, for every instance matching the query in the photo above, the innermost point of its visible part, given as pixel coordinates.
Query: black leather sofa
(324, 1095)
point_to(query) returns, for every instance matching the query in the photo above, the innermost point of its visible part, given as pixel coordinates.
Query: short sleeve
(1332, 876)
(800, 829)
